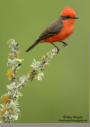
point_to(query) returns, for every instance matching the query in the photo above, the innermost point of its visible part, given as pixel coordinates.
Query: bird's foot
(57, 50)
(65, 44)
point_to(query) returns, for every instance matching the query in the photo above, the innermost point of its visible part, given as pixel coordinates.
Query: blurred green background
(65, 88)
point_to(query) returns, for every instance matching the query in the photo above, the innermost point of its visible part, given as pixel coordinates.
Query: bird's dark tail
(36, 42)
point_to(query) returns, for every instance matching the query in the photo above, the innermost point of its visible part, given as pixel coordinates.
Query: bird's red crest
(68, 11)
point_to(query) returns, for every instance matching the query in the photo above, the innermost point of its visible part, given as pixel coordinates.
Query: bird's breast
(62, 35)
(66, 32)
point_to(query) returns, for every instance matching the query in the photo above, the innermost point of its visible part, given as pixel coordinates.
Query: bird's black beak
(75, 17)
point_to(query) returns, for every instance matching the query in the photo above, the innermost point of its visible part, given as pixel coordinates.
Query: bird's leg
(64, 43)
(56, 47)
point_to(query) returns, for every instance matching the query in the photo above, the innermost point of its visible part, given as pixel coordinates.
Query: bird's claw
(65, 44)
(57, 50)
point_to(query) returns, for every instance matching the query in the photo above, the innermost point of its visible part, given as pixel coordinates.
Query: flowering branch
(9, 108)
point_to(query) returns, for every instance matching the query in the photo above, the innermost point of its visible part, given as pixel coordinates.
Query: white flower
(12, 46)
(11, 61)
(39, 76)
(19, 85)
(13, 117)
(6, 114)
(20, 60)
(23, 80)
(35, 64)
(12, 86)
(17, 94)
(13, 106)
(16, 117)
(10, 94)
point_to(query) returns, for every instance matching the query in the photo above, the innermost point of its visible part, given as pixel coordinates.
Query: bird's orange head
(69, 15)
(68, 11)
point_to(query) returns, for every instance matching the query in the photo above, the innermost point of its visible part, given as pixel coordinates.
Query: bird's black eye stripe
(65, 17)
(68, 17)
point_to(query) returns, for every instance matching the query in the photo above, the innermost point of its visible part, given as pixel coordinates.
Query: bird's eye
(68, 17)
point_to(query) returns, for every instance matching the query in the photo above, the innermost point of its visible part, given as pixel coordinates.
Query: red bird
(58, 30)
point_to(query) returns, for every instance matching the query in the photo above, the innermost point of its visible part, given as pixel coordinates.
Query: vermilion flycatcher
(58, 30)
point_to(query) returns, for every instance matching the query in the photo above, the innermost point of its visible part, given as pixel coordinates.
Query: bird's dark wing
(53, 29)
